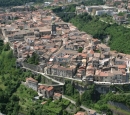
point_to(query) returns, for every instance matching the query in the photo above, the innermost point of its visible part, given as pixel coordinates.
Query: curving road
(83, 107)
(60, 83)
(69, 99)
(66, 78)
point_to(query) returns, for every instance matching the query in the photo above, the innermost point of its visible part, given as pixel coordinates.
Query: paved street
(67, 78)
(69, 99)
(83, 107)
(60, 83)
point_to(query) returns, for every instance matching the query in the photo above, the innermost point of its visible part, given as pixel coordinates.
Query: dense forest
(92, 2)
(92, 99)
(6, 3)
(119, 35)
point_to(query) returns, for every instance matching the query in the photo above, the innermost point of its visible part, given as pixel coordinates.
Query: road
(109, 83)
(79, 80)
(62, 47)
(59, 51)
(83, 107)
(49, 84)
(60, 83)
(68, 99)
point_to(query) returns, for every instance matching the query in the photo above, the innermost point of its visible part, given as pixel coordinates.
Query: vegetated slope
(5, 3)
(119, 35)
(92, 2)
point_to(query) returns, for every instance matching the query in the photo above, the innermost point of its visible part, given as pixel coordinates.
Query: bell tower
(53, 31)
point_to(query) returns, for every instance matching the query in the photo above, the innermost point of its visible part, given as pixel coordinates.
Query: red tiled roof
(103, 74)
(122, 66)
(82, 54)
(80, 113)
(91, 52)
(53, 49)
(31, 79)
(41, 87)
(36, 48)
(57, 94)
(50, 88)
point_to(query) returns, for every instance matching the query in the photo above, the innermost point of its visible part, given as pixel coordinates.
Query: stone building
(68, 71)
(57, 96)
(32, 83)
(46, 91)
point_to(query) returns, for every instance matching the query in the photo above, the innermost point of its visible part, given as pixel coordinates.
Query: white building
(108, 8)
(101, 12)
(92, 9)
(47, 3)
(122, 10)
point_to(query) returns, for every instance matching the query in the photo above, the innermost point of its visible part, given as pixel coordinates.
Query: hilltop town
(61, 48)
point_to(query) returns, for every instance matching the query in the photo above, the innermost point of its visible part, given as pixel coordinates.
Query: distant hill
(6, 3)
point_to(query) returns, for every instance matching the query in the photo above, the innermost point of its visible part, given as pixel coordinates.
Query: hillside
(6, 3)
(16, 98)
(119, 35)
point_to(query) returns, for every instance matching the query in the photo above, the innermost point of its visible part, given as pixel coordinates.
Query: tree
(78, 103)
(80, 49)
(119, 35)
(16, 2)
(34, 59)
(1, 45)
(6, 47)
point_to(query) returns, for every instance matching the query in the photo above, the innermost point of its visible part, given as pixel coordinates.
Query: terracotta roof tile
(121, 66)
(80, 113)
(57, 94)
(31, 79)
(49, 88)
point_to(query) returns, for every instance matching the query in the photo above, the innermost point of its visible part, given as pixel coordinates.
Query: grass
(118, 110)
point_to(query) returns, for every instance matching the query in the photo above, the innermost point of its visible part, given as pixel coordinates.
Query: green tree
(34, 59)
(78, 103)
(6, 47)
(80, 50)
